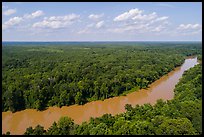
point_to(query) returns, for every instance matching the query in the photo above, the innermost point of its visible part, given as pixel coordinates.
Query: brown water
(163, 88)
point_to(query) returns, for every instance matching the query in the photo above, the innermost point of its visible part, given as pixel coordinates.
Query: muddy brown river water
(163, 88)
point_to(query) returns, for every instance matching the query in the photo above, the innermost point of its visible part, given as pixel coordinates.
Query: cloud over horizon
(9, 12)
(17, 20)
(137, 20)
(117, 24)
(56, 22)
(95, 17)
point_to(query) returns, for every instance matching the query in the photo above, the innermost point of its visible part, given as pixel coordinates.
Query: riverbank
(17, 122)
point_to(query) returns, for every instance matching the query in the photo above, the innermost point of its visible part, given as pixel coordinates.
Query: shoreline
(67, 110)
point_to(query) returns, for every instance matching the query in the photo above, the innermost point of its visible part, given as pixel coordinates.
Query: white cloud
(35, 14)
(189, 26)
(92, 28)
(144, 17)
(17, 20)
(140, 28)
(158, 29)
(99, 24)
(189, 29)
(137, 15)
(11, 22)
(137, 21)
(56, 22)
(128, 14)
(95, 16)
(9, 12)
(162, 18)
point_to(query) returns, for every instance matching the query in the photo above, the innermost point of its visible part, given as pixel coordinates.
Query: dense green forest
(38, 76)
(179, 116)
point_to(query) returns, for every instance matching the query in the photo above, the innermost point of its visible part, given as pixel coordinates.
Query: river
(163, 88)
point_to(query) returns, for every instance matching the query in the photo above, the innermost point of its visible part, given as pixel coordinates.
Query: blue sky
(102, 21)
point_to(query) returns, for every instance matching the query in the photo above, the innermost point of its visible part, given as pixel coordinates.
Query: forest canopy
(39, 76)
(179, 116)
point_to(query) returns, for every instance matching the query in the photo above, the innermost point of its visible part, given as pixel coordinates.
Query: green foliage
(38, 130)
(7, 133)
(181, 126)
(29, 131)
(128, 107)
(66, 126)
(100, 129)
(58, 75)
(53, 130)
(179, 116)
(38, 76)
(78, 98)
(200, 57)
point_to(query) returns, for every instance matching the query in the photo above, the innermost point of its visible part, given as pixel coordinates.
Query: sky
(101, 21)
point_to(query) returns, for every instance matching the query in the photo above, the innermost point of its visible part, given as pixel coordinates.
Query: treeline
(42, 76)
(179, 116)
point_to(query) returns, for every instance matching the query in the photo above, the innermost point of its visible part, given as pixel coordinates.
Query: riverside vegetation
(179, 116)
(42, 76)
